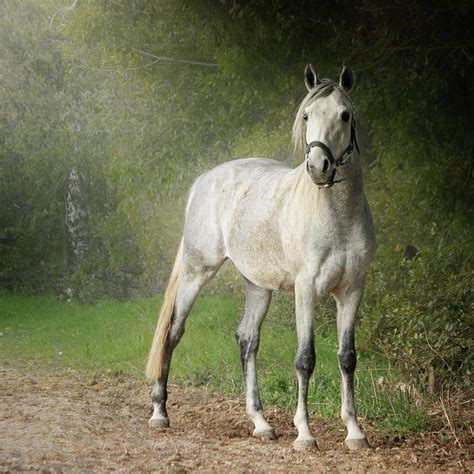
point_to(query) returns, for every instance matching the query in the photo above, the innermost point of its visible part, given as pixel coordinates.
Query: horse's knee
(347, 360)
(306, 359)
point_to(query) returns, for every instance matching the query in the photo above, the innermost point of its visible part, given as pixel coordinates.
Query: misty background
(111, 108)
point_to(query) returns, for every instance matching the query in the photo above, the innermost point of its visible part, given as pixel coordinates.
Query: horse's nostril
(325, 165)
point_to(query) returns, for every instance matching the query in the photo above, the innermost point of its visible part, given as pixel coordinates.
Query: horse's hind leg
(248, 337)
(192, 279)
(347, 304)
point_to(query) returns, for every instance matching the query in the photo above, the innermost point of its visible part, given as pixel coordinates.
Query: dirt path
(54, 422)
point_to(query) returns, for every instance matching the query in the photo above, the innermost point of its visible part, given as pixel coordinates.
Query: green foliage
(34, 150)
(85, 88)
(426, 323)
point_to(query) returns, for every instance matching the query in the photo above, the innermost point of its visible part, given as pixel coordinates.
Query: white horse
(307, 230)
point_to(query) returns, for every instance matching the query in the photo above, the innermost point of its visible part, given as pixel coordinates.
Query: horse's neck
(345, 197)
(340, 201)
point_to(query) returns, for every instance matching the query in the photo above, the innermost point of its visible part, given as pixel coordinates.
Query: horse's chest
(339, 266)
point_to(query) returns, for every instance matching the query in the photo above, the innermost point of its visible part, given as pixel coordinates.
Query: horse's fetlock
(255, 412)
(347, 415)
(300, 419)
(159, 392)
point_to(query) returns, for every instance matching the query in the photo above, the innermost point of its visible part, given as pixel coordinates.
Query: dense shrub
(420, 310)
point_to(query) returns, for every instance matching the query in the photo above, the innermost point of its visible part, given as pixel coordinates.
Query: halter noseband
(342, 160)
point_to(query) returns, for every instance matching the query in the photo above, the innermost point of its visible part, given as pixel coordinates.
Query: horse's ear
(310, 77)
(346, 81)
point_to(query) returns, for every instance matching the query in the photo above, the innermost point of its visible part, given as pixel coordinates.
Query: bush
(420, 312)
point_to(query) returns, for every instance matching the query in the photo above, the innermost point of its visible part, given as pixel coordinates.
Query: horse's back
(248, 169)
(221, 187)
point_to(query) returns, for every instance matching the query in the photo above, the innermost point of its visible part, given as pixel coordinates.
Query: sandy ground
(52, 422)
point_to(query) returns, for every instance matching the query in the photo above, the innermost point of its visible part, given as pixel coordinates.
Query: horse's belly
(277, 280)
(253, 242)
(256, 249)
(263, 269)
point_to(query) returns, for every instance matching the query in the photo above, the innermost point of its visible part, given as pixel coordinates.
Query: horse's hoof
(305, 445)
(354, 444)
(161, 422)
(265, 434)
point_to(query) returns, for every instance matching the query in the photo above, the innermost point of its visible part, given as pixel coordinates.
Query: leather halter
(342, 160)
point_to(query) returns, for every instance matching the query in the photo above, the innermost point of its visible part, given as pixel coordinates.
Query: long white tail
(154, 366)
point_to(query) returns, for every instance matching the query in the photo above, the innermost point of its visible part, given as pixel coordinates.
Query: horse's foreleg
(190, 285)
(347, 305)
(248, 337)
(305, 362)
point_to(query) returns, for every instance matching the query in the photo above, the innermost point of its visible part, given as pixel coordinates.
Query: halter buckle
(330, 184)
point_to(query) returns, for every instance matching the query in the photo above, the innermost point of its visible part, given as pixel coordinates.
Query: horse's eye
(305, 116)
(345, 116)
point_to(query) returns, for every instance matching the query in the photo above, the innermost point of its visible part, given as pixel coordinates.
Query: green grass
(116, 336)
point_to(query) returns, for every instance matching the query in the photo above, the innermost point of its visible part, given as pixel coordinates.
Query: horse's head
(325, 126)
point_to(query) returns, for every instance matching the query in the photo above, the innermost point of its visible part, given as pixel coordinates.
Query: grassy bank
(116, 336)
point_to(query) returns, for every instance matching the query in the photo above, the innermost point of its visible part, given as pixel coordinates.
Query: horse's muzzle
(319, 168)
